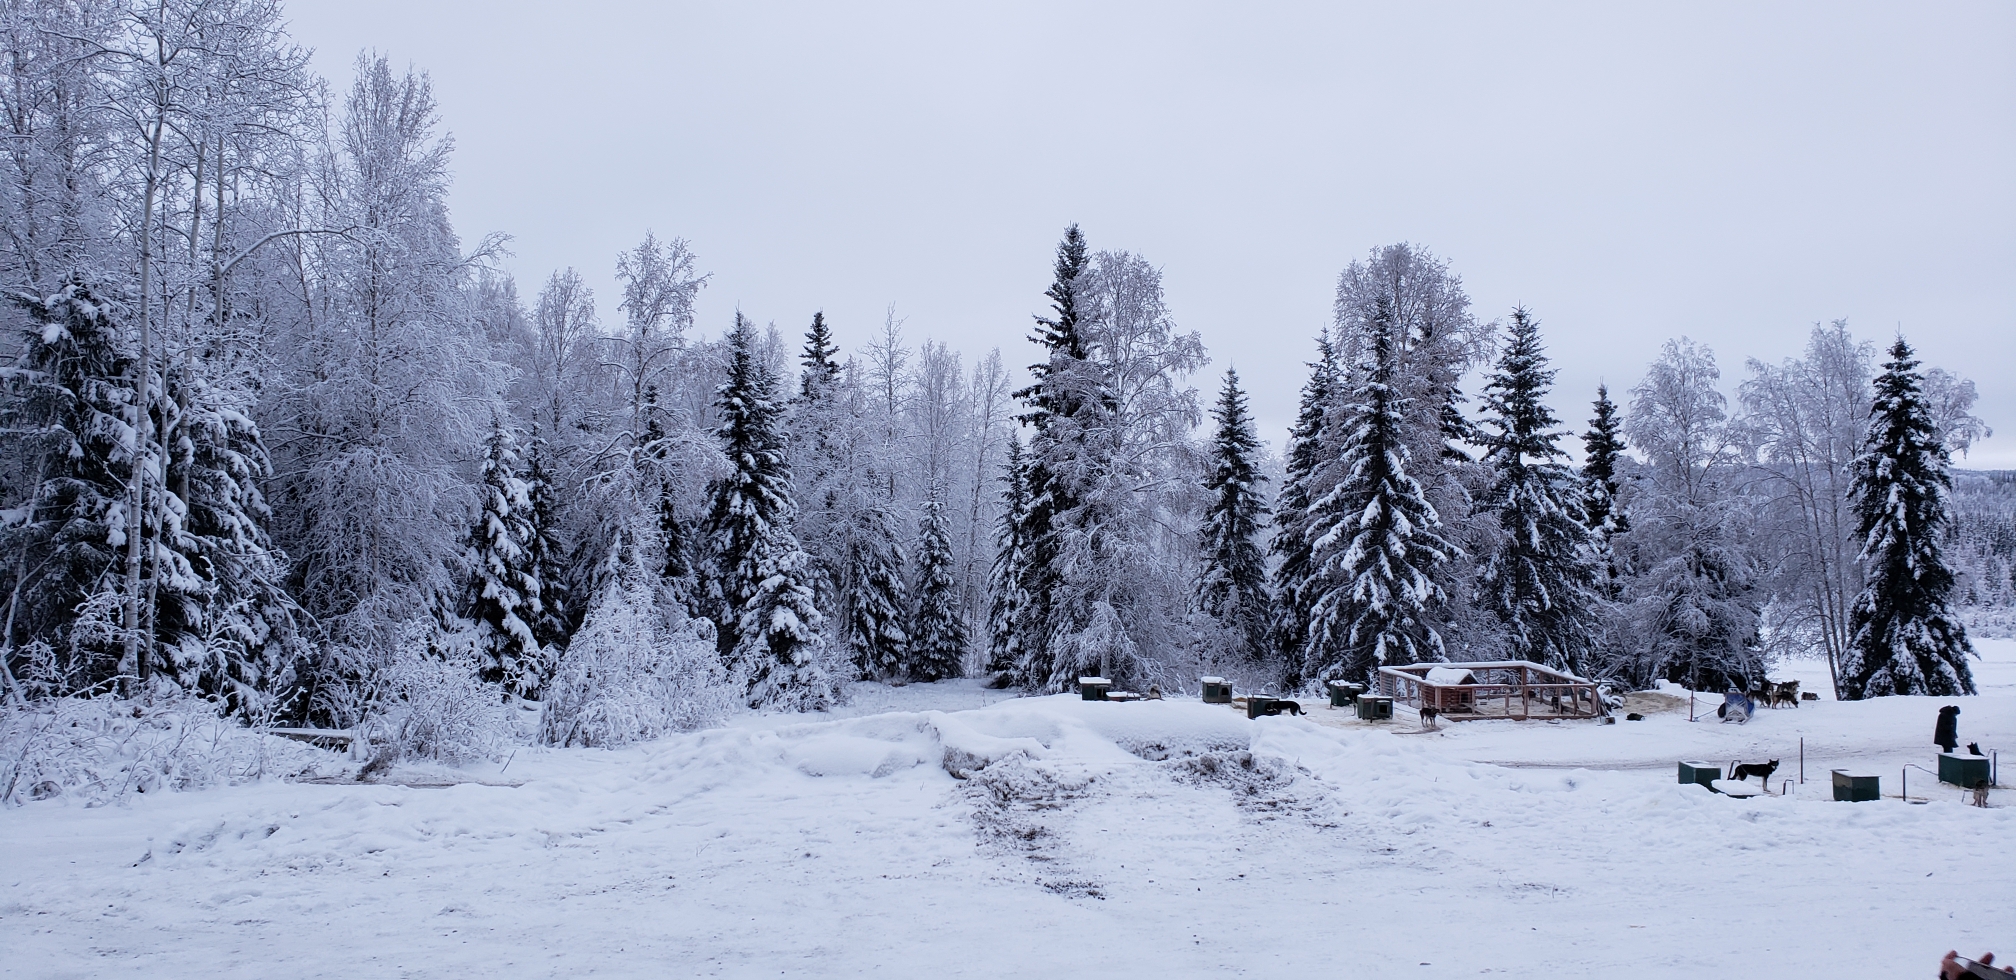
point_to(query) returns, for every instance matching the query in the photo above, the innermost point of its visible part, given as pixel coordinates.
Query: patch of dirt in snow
(411, 777)
(1161, 749)
(1263, 787)
(1019, 809)
(1650, 703)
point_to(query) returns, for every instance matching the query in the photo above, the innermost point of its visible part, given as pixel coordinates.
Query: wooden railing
(1512, 693)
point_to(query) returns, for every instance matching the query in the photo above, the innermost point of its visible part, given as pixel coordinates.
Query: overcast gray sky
(1631, 172)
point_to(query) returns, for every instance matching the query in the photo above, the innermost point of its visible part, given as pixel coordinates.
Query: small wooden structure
(1216, 691)
(1700, 773)
(1344, 693)
(1963, 770)
(1093, 688)
(1850, 787)
(1518, 689)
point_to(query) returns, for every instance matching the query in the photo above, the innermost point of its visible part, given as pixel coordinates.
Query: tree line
(273, 430)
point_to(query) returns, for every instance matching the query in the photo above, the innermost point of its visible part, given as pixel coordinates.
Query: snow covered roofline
(1518, 689)
(1476, 665)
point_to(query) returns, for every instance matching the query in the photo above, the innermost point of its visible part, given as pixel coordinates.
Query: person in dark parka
(1946, 734)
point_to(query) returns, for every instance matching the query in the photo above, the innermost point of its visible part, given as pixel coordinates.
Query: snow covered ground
(947, 831)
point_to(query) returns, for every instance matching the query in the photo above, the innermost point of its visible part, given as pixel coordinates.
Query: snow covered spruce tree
(842, 468)
(1232, 589)
(770, 630)
(820, 372)
(1292, 543)
(937, 629)
(223, 619)
(873, 599)
(504, 590)
(1435, 339)
(1064, 390)
(1006, 596)
(821, 428)
(1905, 637)
(1376, 538)
(1112, 575)
(68, 410)
(1602, 512)
(543, 552)
(1537, 580)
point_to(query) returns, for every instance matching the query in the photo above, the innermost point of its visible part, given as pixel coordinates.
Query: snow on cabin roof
(1211, 680)
(1414, 669)
(1448, 675)
(1093, 680)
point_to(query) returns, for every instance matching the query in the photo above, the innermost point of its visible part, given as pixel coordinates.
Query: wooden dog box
(1856, 788)
(1963, 770)
(1343, 693)
(1701, 773)
(1216, 690)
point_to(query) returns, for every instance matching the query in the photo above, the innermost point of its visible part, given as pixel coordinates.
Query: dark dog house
(1963, 770)
(1701, 773)
(1216, 690)
(1093, 688)
(1344, 693)
(1856, 788)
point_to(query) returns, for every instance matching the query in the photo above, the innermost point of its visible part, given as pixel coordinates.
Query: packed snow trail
(1035, 836)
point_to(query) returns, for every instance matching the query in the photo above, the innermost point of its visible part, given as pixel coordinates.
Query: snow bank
(1147, 838)
(103, 749)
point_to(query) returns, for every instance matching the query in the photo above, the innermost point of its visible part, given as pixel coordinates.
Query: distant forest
(276, 435)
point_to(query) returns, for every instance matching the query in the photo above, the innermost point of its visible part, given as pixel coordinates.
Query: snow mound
(101, 750)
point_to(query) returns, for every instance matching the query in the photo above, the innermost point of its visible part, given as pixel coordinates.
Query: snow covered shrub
(432, 705)
(101, 749)
(1990, 622)
(636, 670)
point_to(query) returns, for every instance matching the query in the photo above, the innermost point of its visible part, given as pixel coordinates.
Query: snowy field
(948, 831)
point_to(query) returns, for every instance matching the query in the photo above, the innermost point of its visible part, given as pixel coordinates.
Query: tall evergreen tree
(873, 601)
(762, 580)
(1293, 595)
(1905, 637)
(504, 594)
(1602, 512)
(1377, 540)
(937, 629)
(819, 369)
(826, 475)
(1006, 595)
(68, 412)
(1059, 402)
(1232, 587)
(225, 622)
(544, 553)
(1537, 580)
(1602, 447)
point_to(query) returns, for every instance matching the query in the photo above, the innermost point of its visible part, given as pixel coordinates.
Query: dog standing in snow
(1742, 771)
(1428, 715)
